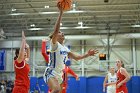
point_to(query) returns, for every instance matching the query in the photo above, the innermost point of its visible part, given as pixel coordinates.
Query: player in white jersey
(58, 57)
(110, 81)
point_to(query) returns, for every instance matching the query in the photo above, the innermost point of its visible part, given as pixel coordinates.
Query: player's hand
(23, 35)
(92, 52)
(118, 85)
(60, 8)
(77, 78)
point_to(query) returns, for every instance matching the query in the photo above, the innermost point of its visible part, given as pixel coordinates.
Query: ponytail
(122, 64)
(16, 53)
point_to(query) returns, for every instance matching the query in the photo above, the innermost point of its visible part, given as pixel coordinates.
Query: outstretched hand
(77, 78)
(23, 35)
(60, 7)
(92, 52)
(118, 85)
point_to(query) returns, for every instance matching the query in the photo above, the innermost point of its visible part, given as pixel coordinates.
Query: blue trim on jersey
(54, 59)
(64, 60)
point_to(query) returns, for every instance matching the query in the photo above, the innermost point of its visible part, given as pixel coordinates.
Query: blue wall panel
(82, 85)
(135, 84)
(95, 84)
(33, 81)
(73, 85)
(129, 86)
(87, 85)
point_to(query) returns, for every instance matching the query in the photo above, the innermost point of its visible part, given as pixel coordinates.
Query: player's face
(61, 36)
(118, 63)
(112, 70)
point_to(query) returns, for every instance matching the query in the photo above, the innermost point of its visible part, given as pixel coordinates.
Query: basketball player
(67, 70)
(110, 81)
(58, 57)
(122, 78)
(22, 82)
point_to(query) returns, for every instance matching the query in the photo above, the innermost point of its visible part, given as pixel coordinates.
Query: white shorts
(49, 73)
(111, 89)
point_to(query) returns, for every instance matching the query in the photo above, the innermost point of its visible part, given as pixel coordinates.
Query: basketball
(64, 4)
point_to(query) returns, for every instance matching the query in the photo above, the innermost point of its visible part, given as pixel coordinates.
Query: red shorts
(122, 89)
(20, 89)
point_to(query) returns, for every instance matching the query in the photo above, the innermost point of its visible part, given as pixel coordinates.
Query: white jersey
(111, 79)
(58, 57)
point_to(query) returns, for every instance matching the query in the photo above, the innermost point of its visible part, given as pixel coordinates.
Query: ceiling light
(35, 29)
(80, 37)
(73, 5)
(61, 24)
(71, 37)
(13, 9)
(32, 25)
(80, 23)
(75, 11)
(48, 12)
(64, 27)
(81, 27)
(135, 25)
(17, 14)
(72, 11)
(46, 6)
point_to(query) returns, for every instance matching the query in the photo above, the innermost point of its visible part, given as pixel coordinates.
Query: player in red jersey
(44, 51)
(122, 78)
(22, 82)
(67, 71)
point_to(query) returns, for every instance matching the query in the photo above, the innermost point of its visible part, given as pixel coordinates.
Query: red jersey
(21, 74)
(123, 87)
(67, 71)
(43, 51)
